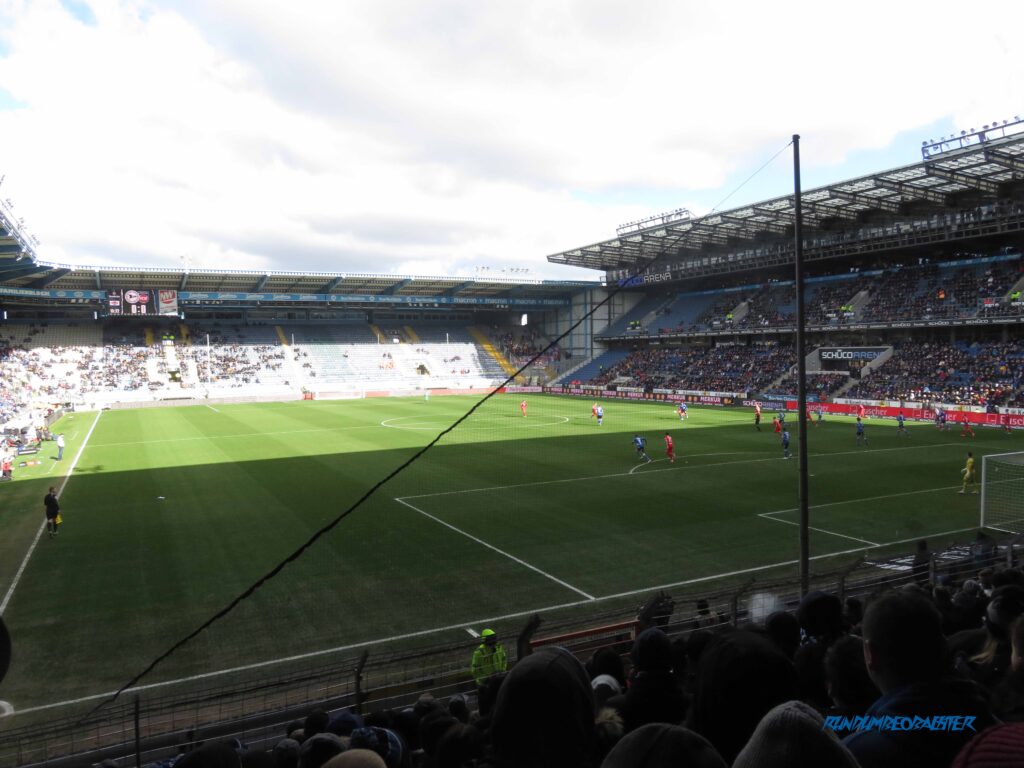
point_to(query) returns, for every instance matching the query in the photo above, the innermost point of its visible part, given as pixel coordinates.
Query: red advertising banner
(912, 414)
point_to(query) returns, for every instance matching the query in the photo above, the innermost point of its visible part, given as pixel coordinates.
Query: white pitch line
(510, 556)
(39, 533)
(668, 469)
(819, 530)
(472, 632)
(852, 501)
(212, 409)
(462, 625)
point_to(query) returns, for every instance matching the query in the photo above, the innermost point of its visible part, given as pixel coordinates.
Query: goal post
(1002, 492)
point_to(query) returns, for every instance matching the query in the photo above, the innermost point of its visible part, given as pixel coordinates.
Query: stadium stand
(976, 374)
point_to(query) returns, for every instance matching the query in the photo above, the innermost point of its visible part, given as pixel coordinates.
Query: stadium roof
(978, 167)
(23, 275)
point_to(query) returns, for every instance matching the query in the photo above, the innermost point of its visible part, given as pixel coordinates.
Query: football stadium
(752, 495)
(286, 492)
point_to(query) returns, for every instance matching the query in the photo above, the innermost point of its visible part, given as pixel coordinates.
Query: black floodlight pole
(801, 373)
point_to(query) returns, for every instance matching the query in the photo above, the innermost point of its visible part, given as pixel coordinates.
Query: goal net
(1002, 492)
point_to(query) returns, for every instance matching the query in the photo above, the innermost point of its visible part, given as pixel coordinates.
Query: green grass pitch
(170, 513)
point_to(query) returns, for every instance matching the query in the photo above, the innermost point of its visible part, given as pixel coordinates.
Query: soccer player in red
(860, 411)
(670, 448)
(810, 416)
(522, 407)
(777, 424)
(967, 428)
(593, 411)
(757, 416)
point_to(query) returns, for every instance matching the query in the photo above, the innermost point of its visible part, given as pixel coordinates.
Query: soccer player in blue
(821, 414)
(600, 415)
(682, 411)
(640, 443)
(785, 444)
(861, 437)
(901, 427)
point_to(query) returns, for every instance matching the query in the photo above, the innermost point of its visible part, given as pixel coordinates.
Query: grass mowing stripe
(502, 552)
(39, 533)
(631, 472)
(240, 434)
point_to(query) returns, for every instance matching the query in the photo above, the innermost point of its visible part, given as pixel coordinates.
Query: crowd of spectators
(783, 691)
(722, 368)
(918, 291)
(520, 346)
(235, 365)
(820, 384)
(982, 374)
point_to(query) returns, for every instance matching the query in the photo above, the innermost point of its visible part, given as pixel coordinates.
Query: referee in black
(52, 511)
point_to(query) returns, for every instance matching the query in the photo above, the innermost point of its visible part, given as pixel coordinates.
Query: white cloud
(433, 137)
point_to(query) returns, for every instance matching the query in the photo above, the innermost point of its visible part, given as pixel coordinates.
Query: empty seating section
(353, 356)
(605, 361)
(773, 305)
(636, 315)
(682, 313)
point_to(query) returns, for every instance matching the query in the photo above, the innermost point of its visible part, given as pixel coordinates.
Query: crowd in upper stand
(923, 291)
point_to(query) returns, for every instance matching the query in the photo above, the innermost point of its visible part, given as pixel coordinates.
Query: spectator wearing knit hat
(792, 736)
(658, 745)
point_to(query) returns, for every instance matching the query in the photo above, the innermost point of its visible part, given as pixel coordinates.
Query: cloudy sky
(441, 136)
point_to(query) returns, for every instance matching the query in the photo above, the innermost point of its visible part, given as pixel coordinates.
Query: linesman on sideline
(52, 512)
(489, 658)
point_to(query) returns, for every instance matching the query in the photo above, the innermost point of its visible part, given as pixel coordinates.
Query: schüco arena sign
(850, 353)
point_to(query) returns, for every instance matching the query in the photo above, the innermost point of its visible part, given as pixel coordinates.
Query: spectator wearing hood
(740, 677)
(544, 715)
(654, 694)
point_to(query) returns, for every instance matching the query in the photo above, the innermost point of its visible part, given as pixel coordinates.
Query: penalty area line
(42, 527)
(502, 552)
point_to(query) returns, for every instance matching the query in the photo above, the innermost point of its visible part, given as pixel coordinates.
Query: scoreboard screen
(129, 302)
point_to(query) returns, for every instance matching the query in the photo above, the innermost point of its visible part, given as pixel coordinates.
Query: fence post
(734, 604)
(138, 735)
(360, 694)
(846, 572)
